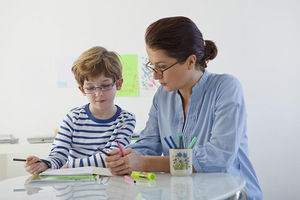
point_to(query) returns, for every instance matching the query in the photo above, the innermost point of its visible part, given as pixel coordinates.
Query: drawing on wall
(138, 80)
(130, 87)
(65, 77)
(147, 81)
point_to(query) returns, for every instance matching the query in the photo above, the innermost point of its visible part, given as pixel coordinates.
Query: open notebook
(77, 171)
(51, 176)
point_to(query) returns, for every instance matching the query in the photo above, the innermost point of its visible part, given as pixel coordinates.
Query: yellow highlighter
(143, 175)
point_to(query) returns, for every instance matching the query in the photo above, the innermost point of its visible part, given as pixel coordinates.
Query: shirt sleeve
(149, 142)
(62, 143)
(229, 124)
(122, 134)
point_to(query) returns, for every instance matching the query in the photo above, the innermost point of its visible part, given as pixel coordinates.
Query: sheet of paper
(77, 171)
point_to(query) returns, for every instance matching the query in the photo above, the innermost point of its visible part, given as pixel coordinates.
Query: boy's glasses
(102, 88)
(158, 70)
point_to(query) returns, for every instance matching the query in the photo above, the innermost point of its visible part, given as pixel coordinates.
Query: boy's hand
(119, 165)
(34, 165)
(64, 166)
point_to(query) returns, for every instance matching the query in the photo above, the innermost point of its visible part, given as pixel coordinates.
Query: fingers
(114, 155)
(114, 152)
(120, 170)
(128, 151)
(114, 162)
(125, 171)
(31, 159)
(35, 167)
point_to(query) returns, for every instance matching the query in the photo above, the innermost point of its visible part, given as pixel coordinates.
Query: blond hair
(95, 61)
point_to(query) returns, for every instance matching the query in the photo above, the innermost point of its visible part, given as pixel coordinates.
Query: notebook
(77, 171)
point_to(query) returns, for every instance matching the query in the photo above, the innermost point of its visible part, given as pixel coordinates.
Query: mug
(181, 162)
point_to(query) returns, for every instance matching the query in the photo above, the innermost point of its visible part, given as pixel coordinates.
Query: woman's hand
(119, 165)
(34, 165)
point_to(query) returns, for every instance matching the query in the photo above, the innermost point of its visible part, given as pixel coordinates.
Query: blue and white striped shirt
(80, 134)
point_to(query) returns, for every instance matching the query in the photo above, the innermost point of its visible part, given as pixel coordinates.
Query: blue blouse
(216, 116)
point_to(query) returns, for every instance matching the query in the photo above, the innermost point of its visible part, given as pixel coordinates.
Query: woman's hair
(95, 61)
(179, 37)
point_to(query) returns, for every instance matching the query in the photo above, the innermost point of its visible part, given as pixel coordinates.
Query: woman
(191, 102)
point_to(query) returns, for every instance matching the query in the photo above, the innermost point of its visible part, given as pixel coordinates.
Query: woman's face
(175, 77)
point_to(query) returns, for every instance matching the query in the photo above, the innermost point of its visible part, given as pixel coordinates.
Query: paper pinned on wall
(130, 87)
(65, 77)
(148, 85)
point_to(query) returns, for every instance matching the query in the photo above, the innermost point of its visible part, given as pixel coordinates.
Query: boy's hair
(95, 61)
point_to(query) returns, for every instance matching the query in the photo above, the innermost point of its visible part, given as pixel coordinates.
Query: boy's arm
(62, 143)
(122, 134)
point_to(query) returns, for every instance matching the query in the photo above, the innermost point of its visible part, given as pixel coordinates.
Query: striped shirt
(80, 134)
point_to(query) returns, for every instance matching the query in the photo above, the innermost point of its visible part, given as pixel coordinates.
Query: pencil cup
(181, 162)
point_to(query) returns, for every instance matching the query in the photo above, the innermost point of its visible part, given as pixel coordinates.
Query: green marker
(143, 175)
(174, 144)
(192, 142)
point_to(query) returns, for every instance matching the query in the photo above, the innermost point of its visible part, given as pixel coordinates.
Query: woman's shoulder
(219, 80)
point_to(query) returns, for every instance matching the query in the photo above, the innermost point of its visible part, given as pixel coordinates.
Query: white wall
(258, 42)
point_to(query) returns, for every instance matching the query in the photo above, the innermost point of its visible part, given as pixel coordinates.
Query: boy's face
(101, 91)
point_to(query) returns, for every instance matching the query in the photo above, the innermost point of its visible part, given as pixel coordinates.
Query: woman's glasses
(158, 70)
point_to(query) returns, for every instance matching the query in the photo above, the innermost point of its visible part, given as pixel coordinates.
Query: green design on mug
(181, 161)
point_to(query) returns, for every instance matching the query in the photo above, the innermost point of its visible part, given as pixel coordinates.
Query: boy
(99, 124)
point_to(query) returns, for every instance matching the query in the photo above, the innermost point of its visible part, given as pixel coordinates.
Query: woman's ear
(81, 89)
(119, 84)
(191, 61)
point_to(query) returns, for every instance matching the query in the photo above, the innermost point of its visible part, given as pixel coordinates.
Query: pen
(121, 149)
(192, 143)
(103, 151)
(168, 143)
(129, 179)
(174, 144)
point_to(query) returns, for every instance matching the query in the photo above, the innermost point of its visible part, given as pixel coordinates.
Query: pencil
(103, 151)
(24, 160)
(121, 149)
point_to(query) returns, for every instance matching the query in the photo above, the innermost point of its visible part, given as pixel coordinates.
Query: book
(45, 180)
(9, 139)
(77, 171)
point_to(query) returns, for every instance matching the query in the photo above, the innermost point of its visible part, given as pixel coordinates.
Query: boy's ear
(119, 84)
(81, 89)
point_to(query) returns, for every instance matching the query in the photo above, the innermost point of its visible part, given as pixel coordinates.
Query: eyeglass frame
(100, 88)
(159, 71)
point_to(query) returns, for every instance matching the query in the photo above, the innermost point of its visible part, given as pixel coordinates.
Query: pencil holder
(181, 162)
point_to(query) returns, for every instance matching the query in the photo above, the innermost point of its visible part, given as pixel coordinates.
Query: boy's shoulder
(80, 110)
(77, 109)
(126, 114)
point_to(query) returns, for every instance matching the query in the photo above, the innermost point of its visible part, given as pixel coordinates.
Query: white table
(197, 186)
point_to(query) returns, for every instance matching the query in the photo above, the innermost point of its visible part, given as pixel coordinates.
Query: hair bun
(210, 50)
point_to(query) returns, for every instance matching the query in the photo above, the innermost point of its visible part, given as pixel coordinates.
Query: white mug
(181, 162)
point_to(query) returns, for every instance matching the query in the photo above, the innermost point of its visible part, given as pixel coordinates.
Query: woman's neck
(186, 91)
